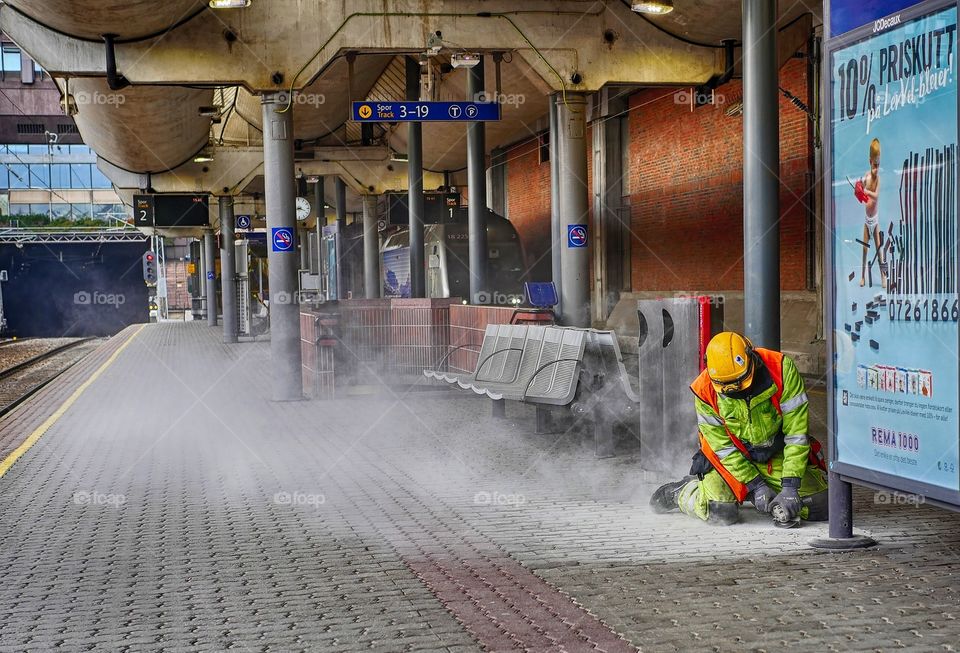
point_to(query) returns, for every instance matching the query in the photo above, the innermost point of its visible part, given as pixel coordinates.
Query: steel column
(477, 190)
(279, 186)
(302, 234)
(340, 192)
(415, 201)
(761, 167)
(574, 209)
(201, 278)
(497, 190)
(228, 270)
(210, 256)
(340, 197)
(841, 535)
(371, 248)
(321, 202)
(555, 242)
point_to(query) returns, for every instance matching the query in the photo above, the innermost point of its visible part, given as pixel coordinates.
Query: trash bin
(673, 335)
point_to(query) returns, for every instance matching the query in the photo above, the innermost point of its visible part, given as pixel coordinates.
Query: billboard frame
(846, 472)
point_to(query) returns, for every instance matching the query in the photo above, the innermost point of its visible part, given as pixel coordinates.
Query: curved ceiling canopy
(141, 128)
(91, 19)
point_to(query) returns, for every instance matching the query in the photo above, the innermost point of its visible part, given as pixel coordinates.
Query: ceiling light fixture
(658, 7)
(229, 4)
(464, 59)
(203, 158)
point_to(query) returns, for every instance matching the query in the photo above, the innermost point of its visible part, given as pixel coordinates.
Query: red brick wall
(177, 296)
(528, 201)
(686, 182)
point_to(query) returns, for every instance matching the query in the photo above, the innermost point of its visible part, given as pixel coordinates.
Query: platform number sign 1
(576, 235)
(150, 268)
(282, 239)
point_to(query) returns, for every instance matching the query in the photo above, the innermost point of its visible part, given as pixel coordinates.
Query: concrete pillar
(415, 201)
(555, 241)
(228, 270)
(574, 210)
(761, 167)
(371, 248)
(210, 256)
(281, 214)
(609, 233)
(477, 190)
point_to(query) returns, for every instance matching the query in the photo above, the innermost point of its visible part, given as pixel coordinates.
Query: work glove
(761, 494)
(789, 497)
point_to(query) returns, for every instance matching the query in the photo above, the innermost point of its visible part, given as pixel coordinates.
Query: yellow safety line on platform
(50, 421)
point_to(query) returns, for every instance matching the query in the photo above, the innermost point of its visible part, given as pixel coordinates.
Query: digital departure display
(172, 210)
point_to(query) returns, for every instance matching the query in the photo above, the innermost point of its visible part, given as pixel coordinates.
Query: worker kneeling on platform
(754, 446)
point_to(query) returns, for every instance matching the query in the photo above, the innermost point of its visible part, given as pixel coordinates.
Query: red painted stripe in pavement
(507, 607)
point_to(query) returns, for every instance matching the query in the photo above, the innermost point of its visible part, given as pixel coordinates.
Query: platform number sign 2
(282, 239)
(143, 210)
(576, 235)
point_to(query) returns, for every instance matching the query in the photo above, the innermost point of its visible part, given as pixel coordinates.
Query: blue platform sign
(425, 111)
(893, 220)
(243, 222)
(209, 275)
(576, 235)
(282, 239)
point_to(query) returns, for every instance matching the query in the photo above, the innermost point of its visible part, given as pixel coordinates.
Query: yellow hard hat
(730, 362)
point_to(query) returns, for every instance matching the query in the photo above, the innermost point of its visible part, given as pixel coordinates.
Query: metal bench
(578, 370)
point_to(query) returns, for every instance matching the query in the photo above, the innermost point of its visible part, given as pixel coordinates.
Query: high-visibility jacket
(734, 434)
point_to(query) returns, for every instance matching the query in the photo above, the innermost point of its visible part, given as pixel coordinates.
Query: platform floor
(169, 507)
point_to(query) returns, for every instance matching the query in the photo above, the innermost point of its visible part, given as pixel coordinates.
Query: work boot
(664, 499)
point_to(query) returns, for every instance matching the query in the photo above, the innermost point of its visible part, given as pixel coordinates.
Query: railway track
(28, 365)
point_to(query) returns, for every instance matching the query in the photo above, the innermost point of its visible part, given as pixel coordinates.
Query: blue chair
(542, 298)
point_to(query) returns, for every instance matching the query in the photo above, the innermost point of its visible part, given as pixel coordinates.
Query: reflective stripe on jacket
(731, 428)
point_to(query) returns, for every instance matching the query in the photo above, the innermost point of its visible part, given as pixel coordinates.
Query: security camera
(435, 43)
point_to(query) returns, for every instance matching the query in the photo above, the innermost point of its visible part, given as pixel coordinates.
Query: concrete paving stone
(424, 498)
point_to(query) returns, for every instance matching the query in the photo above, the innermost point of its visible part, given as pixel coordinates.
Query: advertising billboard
(893, 142)
(846, 15)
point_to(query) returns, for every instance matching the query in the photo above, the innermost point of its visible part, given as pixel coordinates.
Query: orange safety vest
(704, 390)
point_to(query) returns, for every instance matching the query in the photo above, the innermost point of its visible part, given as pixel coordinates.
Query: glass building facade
(67, 175)
(46, 178)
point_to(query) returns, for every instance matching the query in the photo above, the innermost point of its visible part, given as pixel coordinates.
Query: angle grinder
(780, 515)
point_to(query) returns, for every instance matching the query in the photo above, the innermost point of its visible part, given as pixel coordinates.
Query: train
(446, 255)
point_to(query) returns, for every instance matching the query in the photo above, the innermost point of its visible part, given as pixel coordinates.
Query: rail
(20, 397)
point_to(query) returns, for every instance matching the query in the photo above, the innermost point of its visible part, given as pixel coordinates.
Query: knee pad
(818, 506)
(722, 513)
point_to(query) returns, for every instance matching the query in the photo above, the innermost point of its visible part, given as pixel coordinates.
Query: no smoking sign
(576, 235)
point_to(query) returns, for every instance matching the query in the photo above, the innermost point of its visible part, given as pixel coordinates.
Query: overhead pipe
(717, 81)
(115, 80)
